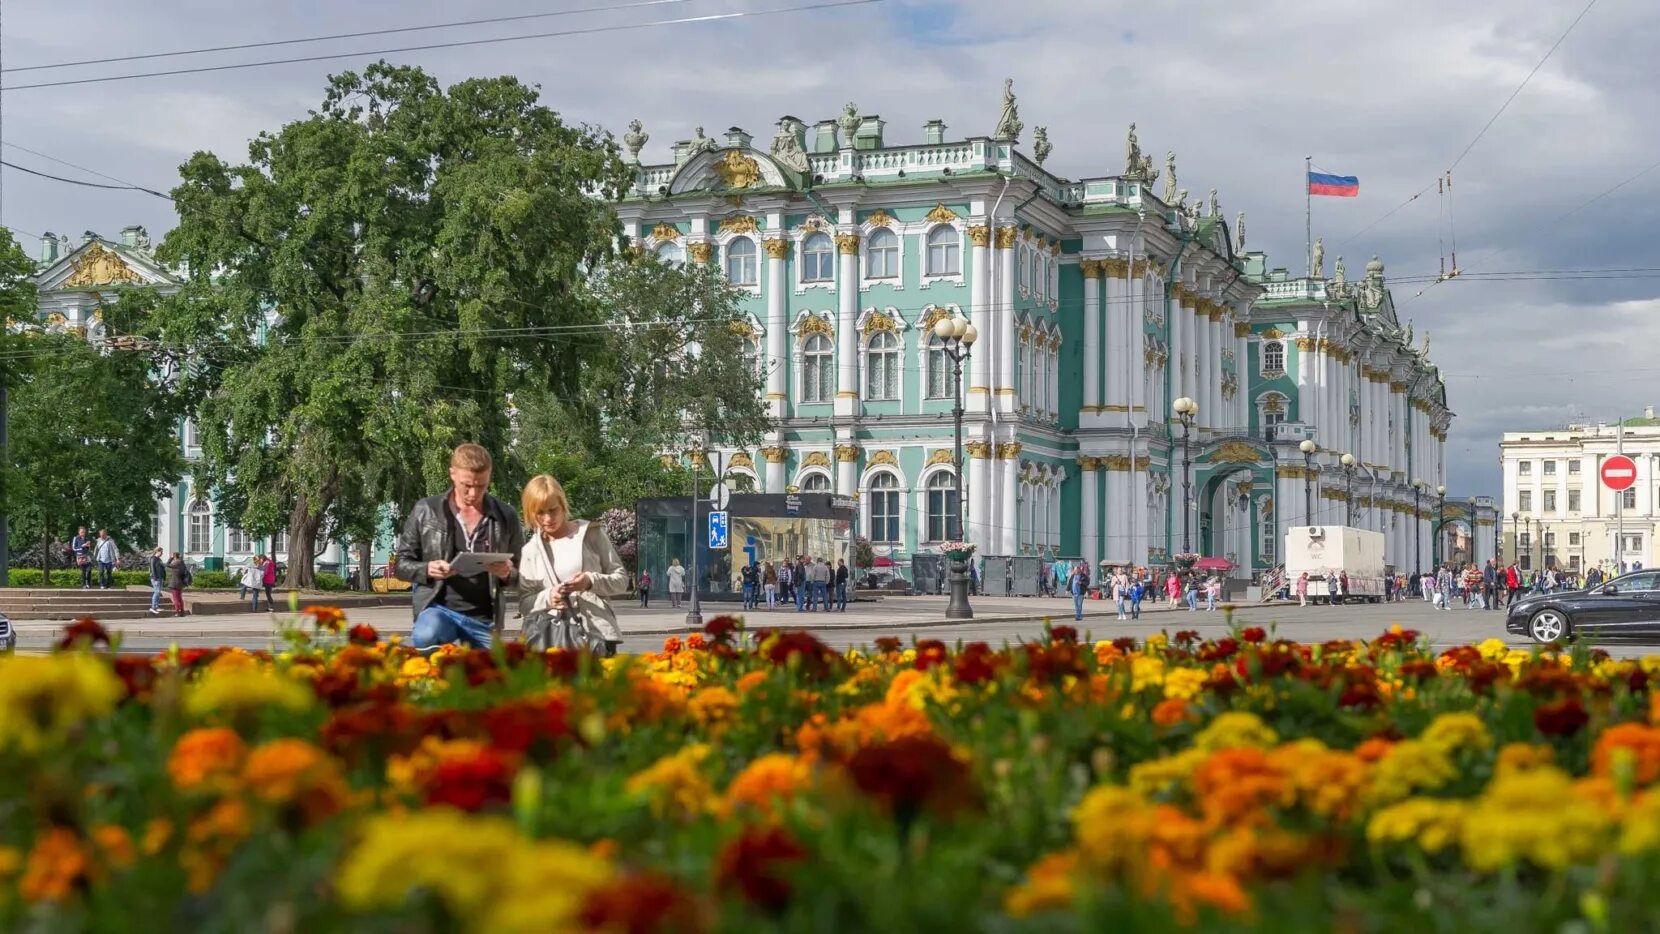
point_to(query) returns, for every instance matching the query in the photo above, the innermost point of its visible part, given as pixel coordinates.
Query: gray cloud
(1388, 91)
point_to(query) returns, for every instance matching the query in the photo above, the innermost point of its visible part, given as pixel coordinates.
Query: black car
(1620, 608)
(8, 635)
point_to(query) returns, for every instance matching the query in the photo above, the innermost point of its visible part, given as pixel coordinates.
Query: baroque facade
(1098, 302)
(73, 282)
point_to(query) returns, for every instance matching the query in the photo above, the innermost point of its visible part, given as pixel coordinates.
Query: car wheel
(1549, 625)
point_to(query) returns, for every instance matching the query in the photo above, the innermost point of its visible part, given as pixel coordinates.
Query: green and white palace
(1098, 302)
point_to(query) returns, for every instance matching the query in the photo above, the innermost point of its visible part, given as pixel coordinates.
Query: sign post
(718, 531)
(1619, 473)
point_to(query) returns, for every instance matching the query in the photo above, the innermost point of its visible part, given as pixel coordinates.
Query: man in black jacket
(841, 584)
(466, 608)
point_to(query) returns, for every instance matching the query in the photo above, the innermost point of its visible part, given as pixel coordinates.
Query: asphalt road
(919, 617)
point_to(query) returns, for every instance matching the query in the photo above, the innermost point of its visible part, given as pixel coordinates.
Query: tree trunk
(365, 574)
(303, 526)
(46, 553)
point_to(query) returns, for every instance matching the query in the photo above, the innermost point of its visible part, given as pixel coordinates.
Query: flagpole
(1308, 216)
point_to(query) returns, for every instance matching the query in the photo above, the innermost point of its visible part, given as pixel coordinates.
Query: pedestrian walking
(840, 580)
(785, 578)
(769, 584)
(676, 583)
(1302, 589)
(158, 580)
(241, 574)
(803, 584)
(645, 589)
(268, 580)
(1138, 589)
(81, 548)
(1077, 584)
(449, 607)
(750, 578)
(178, 578)
(822, 575)
(105, 552)
(1172, 588)
(1213, 590)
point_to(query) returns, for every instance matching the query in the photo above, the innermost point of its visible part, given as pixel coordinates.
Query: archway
(1227, 521)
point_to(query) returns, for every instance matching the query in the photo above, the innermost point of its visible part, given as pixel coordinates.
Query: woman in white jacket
(567, 563)
(677, 582)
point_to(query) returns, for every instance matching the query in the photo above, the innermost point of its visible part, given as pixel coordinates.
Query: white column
(1090, 532)
(977, 524)
(1008, 462)
(847, 469)
(1119, 508)
(1007, 399)
(979, 297)
(1092, 335)
(774, 478)
(1213, 323)
(778, 328)
(1116, 278)
(847, 318)
(1135, 357)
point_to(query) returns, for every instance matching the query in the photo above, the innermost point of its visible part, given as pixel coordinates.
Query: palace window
(1550, 500)
(1573, 468)
(1525, 542)
(1550, 468)
(882, 367)
(882, 255)
(1040, 377)
(884, 508)
(1634, 543)
(818, 259)
(1022, 266)
(740, 262)
(192, 440)
(818, 372)
(1273, 358)
(942, 506)
(1573, 500)
(1525, 468)
(1526, 500)
(944, 252)
(671, 252)
(815, 483)
(237, 542)
(280, 545)
(752, 354)
(1630, 498)
(940, 383)
(1573, 538)
(200, 528)
(1550, 539)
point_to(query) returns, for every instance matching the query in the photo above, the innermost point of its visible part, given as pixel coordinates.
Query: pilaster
(980, 314)
(1007, 400)
(1091, 269)
(1008, 463)
(1089, 545)
(847, 318)
(777, 325)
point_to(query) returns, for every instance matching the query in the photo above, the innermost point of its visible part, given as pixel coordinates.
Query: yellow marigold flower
(1408, 766)
(56, 863)
(1157, 642)
(1236, 729)
(1494, 649)
(11, 860)
(1160, 777)
(1048, 886)
(1145, 672)
(43, 695)
(1433, 823)
(415, 668)
(1111, 824)
(712, 706)
(1184, 683)
(206, 757)
(1452, 732)
(1328, 781)
(156, 834)
(1641, 833)
(239, 690)
(1570, 830)
(675, 784)
(1522, 756)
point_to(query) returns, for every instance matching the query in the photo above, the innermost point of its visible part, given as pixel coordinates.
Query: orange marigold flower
(1642, 740)
(156, 834)
(773, 778)
(210, 841)
(326, 617)
(1233, 785)
(1216, 891)
(749, 681)
(206, 757)
(1373, 749)
(287, 771)
(1048, 887)
(56, 863)
(712, 706)
(115, 845)
(1170, 711)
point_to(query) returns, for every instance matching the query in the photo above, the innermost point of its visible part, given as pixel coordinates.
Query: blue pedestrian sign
(718, 532)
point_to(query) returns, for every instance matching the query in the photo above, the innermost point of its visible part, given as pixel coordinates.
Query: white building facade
(1558, 513)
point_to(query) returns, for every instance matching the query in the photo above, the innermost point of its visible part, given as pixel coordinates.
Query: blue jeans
(106, 574)
(821, 595)
(440, 625)
(749, 596)
(1193, 599)
(155, 593)
(1078, 605)
(1135, 608)
(841, 597)
(801, 595)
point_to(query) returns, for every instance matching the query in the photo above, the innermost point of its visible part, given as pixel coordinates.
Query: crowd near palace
(1098, 304)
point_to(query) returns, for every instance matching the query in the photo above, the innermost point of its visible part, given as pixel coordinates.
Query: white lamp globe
(1308, 446)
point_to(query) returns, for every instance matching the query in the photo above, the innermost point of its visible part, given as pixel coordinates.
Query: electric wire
(51, 158)
(75, 181)
(460, 43)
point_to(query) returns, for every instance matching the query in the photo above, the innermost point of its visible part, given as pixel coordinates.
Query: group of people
(258, 574)
(89, 553)
(1129, 587)
(810, 583)
(1493, 586)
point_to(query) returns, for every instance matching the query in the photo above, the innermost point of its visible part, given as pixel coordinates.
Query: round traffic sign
(1619, 473)
(719, 496)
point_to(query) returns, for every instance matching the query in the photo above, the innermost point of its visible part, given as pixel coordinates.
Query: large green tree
(375, 283)
(17, 306)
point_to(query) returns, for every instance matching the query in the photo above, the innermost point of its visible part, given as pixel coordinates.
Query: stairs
(54, 603)
(1272, 582)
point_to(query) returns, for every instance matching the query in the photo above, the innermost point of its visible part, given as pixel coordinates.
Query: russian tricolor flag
(1338, 186)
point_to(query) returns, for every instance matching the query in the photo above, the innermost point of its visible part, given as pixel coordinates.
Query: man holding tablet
(458, 551)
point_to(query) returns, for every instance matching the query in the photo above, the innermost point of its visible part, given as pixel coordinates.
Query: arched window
(1022, 268)
(884, 508)
(671, 252)
(882, 255)
(818, 371)
(815, 483)
(1040, 375)
(752, 354)
(882, 367)
(740, 261)
(1041, 276)
(818, 259)
(200, 528)
(940, 382)
(1273, 357)
(1023, 369)
(237, 542)
(944, 252)
(942, 506)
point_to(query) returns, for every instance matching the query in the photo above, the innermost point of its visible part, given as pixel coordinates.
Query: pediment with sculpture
(97, 266)
(731, 171)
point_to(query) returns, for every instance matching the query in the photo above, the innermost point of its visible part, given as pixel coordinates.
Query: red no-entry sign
(1619, 473)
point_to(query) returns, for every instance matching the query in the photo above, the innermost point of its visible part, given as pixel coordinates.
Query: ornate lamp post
(1516, 530)
(1417, 539)
(1348, 462)
(1440, 519)
(957, 337)
(1186, 410)
(1308, 447)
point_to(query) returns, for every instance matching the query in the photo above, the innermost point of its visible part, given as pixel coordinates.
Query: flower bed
(761, 781)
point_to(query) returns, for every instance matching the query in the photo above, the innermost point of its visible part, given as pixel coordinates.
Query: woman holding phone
(567, 571)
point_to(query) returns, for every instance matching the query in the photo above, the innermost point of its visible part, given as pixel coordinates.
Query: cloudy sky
(1392, 91)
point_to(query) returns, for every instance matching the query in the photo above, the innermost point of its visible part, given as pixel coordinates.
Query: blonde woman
(567, 570)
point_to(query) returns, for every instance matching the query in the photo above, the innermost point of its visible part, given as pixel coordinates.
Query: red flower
(337, 687)
(1063, 634)
(137, 673)
(473, 783)
(930, 652)
(1124, 644)
(1218, 651)
(1397, 640)
(1053, 662)
(1418, 670)
(1253, 634)
(377, 728)
(723, 628)
(83, 633)
(642, 903)
(1562, 718)
(912, 774)
(814, 657)
(197, 658)
(363, 634)
(519, 725)
(478, 664)
(326, 617)
(755, 864)
(977, 663)
(888, 645)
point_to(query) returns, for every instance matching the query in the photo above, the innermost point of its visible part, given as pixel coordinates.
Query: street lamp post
(1348, 462)
(1417, 538)
(1516, 530)
(957, 338)
(1308, 447)
(694, 611)
(1186, 410)
(1440, 520)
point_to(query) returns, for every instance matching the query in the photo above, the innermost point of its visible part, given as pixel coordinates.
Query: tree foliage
(372, 286)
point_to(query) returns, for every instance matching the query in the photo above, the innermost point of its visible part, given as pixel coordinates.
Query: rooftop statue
(700, 143)
(635, 139)
(1008, 121)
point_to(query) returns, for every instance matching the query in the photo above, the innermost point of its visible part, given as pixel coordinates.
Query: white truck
(1327, 552)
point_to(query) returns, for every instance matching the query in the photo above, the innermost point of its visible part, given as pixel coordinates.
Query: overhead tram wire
(460, 43)
(458, 24)
(51, 158)
(84, 184)
(1485, 127)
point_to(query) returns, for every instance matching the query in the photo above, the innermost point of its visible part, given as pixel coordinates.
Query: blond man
(469, 609)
